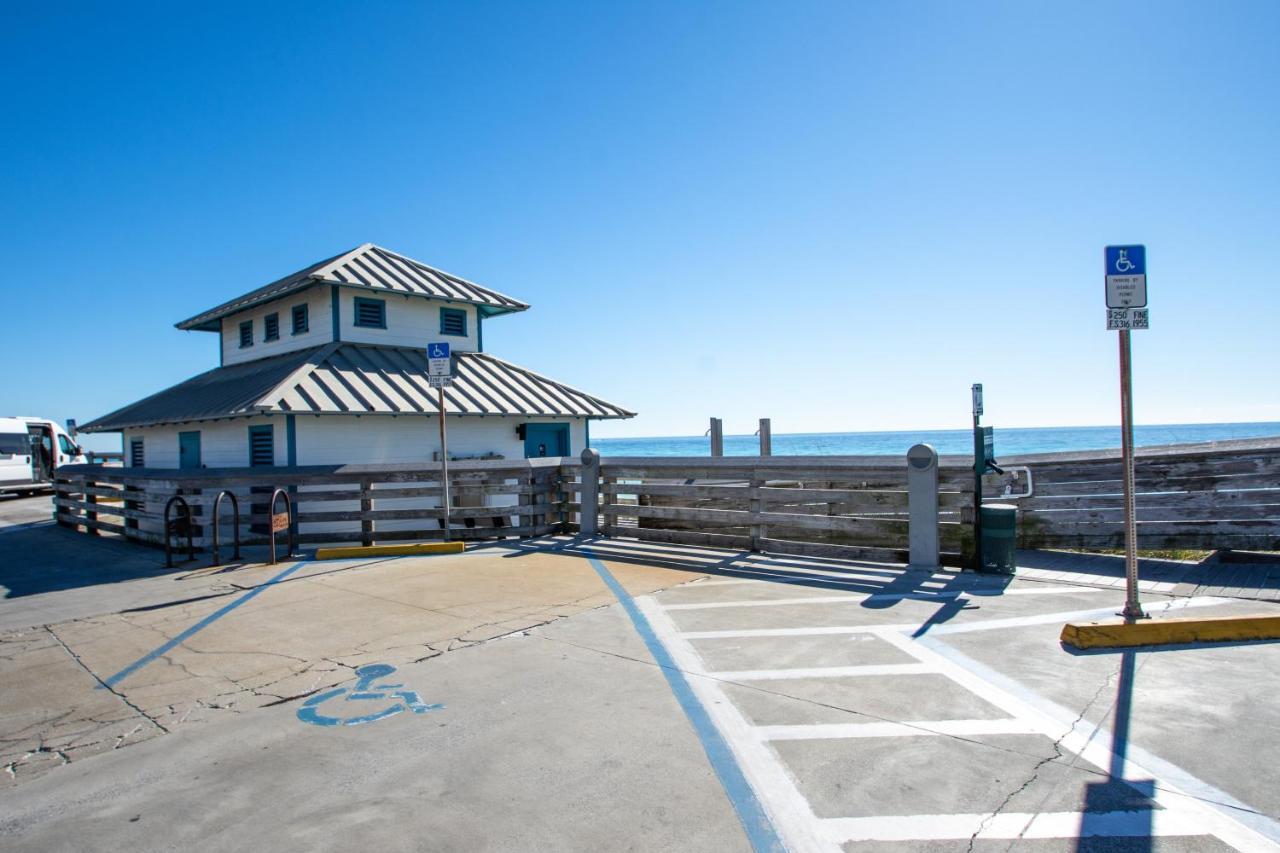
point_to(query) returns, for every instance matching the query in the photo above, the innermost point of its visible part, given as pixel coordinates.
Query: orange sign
(279, 522)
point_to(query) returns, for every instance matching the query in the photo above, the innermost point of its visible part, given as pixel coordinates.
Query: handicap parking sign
(438, 350)
(1126, 275)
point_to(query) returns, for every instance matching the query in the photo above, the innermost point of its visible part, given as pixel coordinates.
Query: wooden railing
(1223, 495)
(1220, 495)
(831, 506)
(339, 503)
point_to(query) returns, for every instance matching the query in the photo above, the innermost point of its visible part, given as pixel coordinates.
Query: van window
(66, 445)
(15, 443)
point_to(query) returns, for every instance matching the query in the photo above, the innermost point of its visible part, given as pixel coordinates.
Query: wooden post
(717, 437)
(589, 511)
(366, 505)
(766, 437)
(90, 515)
(758, 531)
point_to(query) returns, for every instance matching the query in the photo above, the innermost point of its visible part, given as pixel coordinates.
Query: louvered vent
(262, 450)
(371, 313)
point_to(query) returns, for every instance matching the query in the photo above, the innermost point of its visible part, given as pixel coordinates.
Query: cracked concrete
(302, 636)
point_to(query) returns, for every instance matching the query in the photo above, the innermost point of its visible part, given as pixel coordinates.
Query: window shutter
(246, 334)
(137, 458)
(300, 324)
(262, 446)
(453, 322)
(271, 326)
(371, 313)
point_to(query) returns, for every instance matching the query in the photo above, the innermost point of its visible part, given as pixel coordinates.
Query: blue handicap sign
(1126, 260)
(365, 691)
(438, 350)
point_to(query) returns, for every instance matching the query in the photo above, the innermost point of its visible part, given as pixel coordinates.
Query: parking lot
(571, 695)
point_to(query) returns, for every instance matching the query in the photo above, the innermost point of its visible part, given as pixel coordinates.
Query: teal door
(189, 450)
(546, 440)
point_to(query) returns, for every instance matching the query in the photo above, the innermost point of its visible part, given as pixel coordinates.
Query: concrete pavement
(867, 708)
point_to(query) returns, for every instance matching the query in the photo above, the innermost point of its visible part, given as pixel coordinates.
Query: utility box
(999, 538)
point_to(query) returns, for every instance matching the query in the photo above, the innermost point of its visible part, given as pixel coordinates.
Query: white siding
(319, 327)
(223, 444)
(412, 321)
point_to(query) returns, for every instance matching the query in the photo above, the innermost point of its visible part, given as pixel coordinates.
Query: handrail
(170, 527)
(235, 525)
(278, 524)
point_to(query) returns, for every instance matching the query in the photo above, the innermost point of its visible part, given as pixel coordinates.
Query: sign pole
(1132, 609)
(978, 468)
(444, 467)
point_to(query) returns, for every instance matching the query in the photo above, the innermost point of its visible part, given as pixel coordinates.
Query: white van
(30, 450)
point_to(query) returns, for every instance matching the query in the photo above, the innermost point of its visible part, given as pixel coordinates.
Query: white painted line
(825, 672)
(1080, 739)
(791, 632)
(922, 728)
(996, 592)
(774, 785)
(1012, 825)
(1072, 616)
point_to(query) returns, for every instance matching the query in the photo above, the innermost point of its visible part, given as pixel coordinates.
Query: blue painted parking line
(755, 822)
(196, 628)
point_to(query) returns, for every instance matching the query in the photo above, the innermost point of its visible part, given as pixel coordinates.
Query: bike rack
(286, 524)
(235, 525)
(178, 526)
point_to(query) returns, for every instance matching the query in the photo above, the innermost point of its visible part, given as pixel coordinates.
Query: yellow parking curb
(389, 550)
(1159, 632)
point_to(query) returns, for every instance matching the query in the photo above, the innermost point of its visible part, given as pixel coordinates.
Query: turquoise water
(1009, 442)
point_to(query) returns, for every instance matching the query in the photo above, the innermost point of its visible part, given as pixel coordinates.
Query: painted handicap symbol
(365, 690)
(1123, 264)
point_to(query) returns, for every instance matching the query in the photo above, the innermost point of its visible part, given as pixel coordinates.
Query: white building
(328, 366)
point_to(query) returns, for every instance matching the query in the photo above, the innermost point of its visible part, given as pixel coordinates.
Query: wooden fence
(1219, 495)
(338, 503)
(1214, 496)
(833, 506)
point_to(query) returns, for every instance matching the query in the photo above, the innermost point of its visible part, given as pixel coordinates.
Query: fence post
(717, 437)
(766, 437)
(922, 506)
(589, 511)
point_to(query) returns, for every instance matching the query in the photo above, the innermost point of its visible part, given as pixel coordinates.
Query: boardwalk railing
(1222, 495)
(1219, 495)
(333, 503)
(833, 506)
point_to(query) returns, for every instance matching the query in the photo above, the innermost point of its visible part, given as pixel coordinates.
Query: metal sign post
(979, 467)
(440, 375)
(1126, 279)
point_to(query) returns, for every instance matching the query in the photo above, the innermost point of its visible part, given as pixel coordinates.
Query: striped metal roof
(373, 268)
(359, 379)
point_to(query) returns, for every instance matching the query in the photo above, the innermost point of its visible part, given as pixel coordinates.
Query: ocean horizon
(1013, 441)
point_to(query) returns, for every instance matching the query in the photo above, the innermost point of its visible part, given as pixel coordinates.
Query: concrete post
(766, 437)
(922, 506)
(589, 514)
(717, 437)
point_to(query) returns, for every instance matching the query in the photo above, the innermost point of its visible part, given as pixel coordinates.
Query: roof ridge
(318, 273)
(314, 359)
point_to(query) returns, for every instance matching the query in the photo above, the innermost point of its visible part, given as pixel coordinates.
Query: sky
(836, 215)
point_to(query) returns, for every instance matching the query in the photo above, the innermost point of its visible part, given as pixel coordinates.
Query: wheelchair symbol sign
(365, 692)
(440, 350)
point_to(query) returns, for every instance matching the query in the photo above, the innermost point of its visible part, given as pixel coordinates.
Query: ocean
(1009, 442)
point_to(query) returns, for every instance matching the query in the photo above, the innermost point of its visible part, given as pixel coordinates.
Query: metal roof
(373, 268)
(358, 379)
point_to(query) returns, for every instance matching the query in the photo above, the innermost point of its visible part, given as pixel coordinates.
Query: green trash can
(999, 537)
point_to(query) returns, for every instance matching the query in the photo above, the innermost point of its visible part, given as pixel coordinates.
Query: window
(66, 445)
(246, 334)
(15, 444)
(271, 327)
(453, 322)
(300, 320)
(371, 313)
(136, 457)
(262, 446)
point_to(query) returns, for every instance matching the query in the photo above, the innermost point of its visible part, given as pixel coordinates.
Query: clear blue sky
(836, 215)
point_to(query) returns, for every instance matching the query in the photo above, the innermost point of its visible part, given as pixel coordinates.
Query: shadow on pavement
(886, 584)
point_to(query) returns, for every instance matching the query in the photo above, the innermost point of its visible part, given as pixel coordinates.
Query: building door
(546, 440)
(189, 449)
